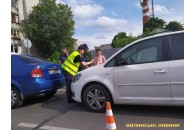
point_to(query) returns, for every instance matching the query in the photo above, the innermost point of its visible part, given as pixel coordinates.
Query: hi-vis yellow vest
(69, 64)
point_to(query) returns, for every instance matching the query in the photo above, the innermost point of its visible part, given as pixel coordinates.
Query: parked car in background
(31, 76)
(149, 71)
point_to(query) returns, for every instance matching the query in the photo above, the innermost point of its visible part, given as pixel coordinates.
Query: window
(15, 18)
(110, 63)
(15, 33)
(14, 4)
(12, 32)
(15, 49)
(148, 55)
(12, 48)
(130, 55)
(177, 46)
(144, 52)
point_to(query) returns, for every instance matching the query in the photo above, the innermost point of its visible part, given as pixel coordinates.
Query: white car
(149, 71)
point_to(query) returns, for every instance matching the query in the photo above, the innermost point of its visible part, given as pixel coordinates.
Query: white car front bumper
(76, 89)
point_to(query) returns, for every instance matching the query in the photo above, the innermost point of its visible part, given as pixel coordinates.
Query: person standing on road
(99, 58)
(63, 56)
(84, 57)
(70, 69)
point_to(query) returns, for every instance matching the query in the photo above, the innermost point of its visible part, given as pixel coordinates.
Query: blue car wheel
(16, 100)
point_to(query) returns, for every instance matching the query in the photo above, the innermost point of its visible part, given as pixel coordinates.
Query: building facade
(104, 46)
(16, 45)
(17, 14)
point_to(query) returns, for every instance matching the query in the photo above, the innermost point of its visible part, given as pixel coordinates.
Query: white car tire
(95, 97)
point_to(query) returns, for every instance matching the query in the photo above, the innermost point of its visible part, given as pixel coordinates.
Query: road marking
(45, 127)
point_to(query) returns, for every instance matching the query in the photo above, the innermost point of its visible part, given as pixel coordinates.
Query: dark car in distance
(31, 76)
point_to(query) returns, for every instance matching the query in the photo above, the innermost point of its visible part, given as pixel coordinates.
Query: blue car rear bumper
(41, 85)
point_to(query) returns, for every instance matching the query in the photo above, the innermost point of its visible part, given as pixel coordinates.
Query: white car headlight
(76, 78)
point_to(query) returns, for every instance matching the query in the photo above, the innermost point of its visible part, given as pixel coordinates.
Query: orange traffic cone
(110, 123)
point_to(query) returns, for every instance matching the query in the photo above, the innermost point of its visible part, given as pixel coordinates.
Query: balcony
(15, 26)
(14, 10)
(15, 36)
(15, 41)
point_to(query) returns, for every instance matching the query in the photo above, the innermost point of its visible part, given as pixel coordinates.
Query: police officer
(84, 57)
(70, 69)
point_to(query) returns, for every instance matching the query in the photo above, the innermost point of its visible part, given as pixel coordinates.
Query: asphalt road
(39, 113)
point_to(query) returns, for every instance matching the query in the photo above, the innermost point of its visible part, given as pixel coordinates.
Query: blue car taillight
(37, 72)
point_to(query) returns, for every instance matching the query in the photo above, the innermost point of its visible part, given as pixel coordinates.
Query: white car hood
(98, 69)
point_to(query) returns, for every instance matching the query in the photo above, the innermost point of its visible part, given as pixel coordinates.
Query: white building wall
(20, 10)
(30, 4)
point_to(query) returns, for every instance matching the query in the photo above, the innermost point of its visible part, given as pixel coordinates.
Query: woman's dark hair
(98, 50)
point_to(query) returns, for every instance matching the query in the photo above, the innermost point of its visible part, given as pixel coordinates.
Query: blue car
(31, 76)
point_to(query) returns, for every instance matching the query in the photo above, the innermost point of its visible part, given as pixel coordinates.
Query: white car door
(141, 74)
(176, 66)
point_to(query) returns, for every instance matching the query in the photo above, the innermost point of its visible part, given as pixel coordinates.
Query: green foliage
(121, 40)
(152, 24)
(54, 57)
(156, 25)
(145, 33)
(89, 55)
(121, 35)
(174, 26)
(50, 27)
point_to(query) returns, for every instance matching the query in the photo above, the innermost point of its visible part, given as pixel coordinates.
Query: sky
(98, 21)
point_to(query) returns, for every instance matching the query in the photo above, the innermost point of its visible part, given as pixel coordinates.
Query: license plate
(54, 71)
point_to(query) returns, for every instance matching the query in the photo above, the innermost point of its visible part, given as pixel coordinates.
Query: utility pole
(153, 8)
(26, 23)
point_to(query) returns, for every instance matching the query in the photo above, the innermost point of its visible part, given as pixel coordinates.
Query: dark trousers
(68, 79)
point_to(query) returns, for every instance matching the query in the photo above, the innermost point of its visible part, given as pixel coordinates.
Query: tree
(174, 26)
(153, 24)
(121, 40)
(54, 57)
(50, 27)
